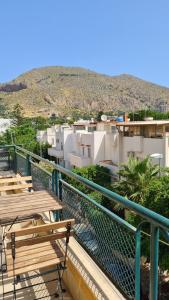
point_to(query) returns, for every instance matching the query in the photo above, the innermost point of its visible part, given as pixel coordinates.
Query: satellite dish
(104, 118)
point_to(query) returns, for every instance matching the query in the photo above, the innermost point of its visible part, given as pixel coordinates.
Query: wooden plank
(31, 247)
(28, 198)
(29, 212)
(31, 261)
(27, 206)
(15, 179)
(41, 228)
(23, 196)
(48, 263)
(5, 197)
(30, 204)
(42, 239)
(15, 186)
(20, 256)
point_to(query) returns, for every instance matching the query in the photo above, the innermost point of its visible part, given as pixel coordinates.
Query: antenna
(104, 118)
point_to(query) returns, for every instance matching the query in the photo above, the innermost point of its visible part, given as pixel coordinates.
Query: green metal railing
(112, 242)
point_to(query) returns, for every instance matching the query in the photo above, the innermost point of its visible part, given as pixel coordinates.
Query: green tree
(17, 113)
(4, 112)
(135, 177)
(98, 117)
(97, 174)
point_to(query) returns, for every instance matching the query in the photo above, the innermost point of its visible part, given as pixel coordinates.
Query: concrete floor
(40, 291)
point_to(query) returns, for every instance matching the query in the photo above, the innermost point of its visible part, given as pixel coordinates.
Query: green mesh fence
(109, 243)
(21, 164)
(41, 178)
(6, 159)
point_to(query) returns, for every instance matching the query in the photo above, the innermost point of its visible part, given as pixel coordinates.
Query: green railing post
(56, 183)
(57, 188)
(15, 161)
(137, 264)
(53, 181)
(28, 165)
(60, 185)
(154, 252)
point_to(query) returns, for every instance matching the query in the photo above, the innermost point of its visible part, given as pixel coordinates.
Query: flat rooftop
(143, 123)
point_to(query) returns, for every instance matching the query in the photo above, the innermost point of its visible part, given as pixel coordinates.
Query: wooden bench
(39, 249)
(15, 183)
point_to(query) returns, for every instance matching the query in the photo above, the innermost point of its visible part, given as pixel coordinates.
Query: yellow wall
(76, 284)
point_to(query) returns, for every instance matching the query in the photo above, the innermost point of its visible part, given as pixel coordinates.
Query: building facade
(108, 144)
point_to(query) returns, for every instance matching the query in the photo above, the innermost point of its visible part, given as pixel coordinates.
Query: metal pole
(28, 166)
(137, 264)
(154, 252)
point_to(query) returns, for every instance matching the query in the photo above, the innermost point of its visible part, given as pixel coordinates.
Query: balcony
(79, 161)
(55, 153)
(134, 143)
(114, 168)
(104, 255)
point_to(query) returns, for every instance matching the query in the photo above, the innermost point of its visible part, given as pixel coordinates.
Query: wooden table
(27, 204)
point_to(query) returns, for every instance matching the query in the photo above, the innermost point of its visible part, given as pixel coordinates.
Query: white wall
(166, 150)
(41, 136)
(51, 136)
(98, 146)
(142, 147)
(155, 146)
(68, 139)
(5, 124)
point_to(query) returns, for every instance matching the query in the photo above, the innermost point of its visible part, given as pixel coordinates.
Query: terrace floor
(31, 288)
(84, 278)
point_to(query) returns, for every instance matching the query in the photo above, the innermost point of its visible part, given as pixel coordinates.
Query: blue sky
(108, 36)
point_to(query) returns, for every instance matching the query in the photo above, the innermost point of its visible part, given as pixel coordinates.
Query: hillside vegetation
(62, 90)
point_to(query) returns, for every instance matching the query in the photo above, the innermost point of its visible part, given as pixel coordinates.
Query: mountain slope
(62, 89)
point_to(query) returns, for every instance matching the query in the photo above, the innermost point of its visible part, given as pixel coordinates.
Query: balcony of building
(54, 152)
(104, 258)
(79, 161)
(114, 168)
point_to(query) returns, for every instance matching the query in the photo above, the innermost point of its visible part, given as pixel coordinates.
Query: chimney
(126, 117)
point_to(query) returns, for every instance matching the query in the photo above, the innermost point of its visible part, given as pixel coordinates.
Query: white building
(108, 144)
(61, 145)
(48, 135)
(88, 144)
(140, 139)
(5, 124)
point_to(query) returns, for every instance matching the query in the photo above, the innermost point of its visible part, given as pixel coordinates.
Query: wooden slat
(15, 179)
(31, 261)
(37, 193)
(48, 244)
(48, 263)
(35, 252)
(30, 204)
(41, 228)
(28, 212)
(27, 198)
(42, 239)
(15, 186)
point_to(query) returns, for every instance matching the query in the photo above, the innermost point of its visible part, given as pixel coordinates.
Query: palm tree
(135, 177)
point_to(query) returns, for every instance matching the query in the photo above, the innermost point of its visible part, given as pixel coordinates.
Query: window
(83, 151)
(131, 154)
(57, 141)
(89, 152)
(113, 129)
(91, 129)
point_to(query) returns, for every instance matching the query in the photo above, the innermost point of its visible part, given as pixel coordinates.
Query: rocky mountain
(61, 90)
